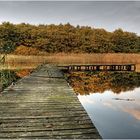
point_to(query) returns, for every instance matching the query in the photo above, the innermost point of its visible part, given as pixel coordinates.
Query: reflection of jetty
(44, 106)
(100, 67)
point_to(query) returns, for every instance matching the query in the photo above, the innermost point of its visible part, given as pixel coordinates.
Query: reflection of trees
(92, 82)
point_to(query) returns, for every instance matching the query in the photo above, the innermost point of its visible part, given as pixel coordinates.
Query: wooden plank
(42, 118)
(43, 105)
(51, 134)
(54, 121)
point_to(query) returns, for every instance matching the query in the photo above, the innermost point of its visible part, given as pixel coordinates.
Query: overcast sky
(109, 15)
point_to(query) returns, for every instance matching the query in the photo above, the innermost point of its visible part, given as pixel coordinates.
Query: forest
(25, 39)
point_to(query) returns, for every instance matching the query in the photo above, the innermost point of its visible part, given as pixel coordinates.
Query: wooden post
(67, 67)
(111, 68)
(123, 68)
(86, 67)
(128, 67)
(119, 68)
(105, 68)
(133, 67)
(79, 68)
(92, 68)
(71, 68)
(98, 68)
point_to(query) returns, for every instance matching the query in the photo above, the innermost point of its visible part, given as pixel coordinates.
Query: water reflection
(115, 112)
(93, 82)
(114, 118)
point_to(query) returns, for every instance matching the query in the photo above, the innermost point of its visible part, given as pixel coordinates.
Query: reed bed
(29, 62)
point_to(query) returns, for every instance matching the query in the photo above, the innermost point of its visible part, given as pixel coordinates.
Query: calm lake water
(114, 115)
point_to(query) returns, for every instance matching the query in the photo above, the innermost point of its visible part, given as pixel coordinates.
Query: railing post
(78, 68)
(98, 68)
(86, 68)
(128, 67)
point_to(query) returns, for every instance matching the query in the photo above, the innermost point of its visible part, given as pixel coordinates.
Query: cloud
(103, 14)
(135, 112)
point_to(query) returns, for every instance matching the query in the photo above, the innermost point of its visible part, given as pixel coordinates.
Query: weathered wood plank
(43, 119)
(34, 122)
(53, 134)
(43, 105)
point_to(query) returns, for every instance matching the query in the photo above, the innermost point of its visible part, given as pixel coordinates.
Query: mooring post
(111, 68)
(105, 68)
(134, 67)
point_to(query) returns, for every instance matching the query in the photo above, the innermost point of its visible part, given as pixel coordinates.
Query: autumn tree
(66, 38)
(9, 37)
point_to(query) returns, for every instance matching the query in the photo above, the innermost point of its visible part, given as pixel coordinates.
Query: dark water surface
(114, 115)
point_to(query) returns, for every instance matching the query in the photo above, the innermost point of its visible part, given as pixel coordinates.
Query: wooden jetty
(44, 106)
(100, 67)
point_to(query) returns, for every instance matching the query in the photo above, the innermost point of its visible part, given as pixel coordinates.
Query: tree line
(65, 38)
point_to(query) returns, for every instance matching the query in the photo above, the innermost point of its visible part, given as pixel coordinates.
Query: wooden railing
(99, 67)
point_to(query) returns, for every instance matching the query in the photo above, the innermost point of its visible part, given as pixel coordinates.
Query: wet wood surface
(43, 106)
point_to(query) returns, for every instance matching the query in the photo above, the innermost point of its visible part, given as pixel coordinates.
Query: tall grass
(25, 63)
(6, 76)
(29, 62)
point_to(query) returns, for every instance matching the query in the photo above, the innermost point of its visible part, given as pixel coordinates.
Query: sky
(109, 15)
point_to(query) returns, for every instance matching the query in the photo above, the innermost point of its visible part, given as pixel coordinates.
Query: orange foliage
(24, 72)
(23, 50)
(85, 83)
